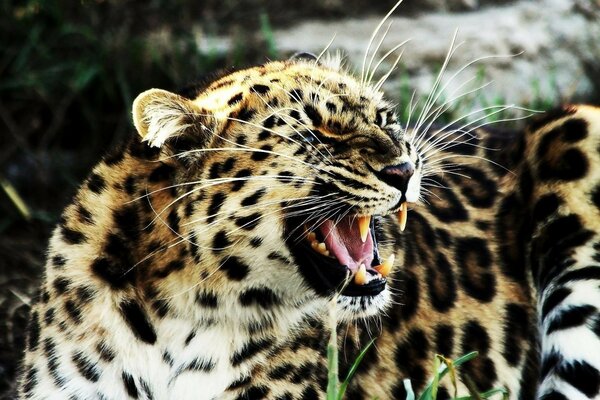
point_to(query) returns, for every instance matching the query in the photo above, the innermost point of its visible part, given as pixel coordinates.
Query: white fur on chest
(177, 367)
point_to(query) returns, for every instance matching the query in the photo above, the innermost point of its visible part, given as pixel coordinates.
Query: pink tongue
(343, 242)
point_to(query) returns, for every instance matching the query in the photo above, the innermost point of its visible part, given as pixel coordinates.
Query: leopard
(247, 220)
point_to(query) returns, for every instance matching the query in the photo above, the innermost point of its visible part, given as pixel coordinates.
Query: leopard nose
(398, 175)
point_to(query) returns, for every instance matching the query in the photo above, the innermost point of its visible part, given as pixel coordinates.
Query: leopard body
(178, 270)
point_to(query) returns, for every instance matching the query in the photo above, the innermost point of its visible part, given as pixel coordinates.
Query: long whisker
(373, 35)
(326, 48)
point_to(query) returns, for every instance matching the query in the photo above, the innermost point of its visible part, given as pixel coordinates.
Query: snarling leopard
(204, 259)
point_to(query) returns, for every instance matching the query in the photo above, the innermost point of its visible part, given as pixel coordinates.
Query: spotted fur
(173, 274)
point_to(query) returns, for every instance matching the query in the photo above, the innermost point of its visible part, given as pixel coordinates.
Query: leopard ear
(159, 116)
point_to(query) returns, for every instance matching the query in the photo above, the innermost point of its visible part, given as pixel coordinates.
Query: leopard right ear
(159, 116)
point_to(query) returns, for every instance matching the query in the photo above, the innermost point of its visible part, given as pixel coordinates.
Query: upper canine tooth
(360, 277)
(403, 216)
(363, 227)
(386, 266)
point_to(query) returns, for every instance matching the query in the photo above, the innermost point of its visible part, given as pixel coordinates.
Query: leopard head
(287, 172)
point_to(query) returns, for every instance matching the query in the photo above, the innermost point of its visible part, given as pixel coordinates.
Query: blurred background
(69, 71)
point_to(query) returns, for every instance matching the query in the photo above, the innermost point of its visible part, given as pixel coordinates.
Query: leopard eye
(309, 137)
(306, 137)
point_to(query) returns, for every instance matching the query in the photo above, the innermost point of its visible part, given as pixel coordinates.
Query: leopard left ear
(159, 115)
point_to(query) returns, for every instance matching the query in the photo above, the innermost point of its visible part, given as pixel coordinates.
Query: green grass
(441, 367)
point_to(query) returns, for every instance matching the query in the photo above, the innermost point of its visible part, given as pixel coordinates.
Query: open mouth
(342, 254)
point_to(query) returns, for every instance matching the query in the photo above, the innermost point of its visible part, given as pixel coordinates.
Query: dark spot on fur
(410, 354)
(85, 367)
(237, 384)
(106, 353)
(235, 269)
(571, 317)
(249, 350)
(245, 114)
(234, 99)
(568, 166)
(48, 316)
(581, 274)
(138, 321)
(444, 340)
(207, 299)
(31, 381)
(553, 300)
(220, 242)
(261, 297)
(215, 205)
(517, 329)
(58, 261)
(296, 95)
(582, 376)
(73, 311)
(481, 369)
(71, 236)
(263, 154)
(474, 258)
(441, 284)
(546, 206)
(313, 115)
(445, 206)
(33, 334)
(253, 198)
(130, 385)
(163, 172)
(61, 285)
(260, 89)
(128, 222)
(116, 275)
(96, 183)
(240, 175)
(84, 215)
(248, 222)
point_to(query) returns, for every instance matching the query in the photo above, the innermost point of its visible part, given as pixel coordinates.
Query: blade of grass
(436, 377)
(427, 394)
(354, 368)
(487, 394)
(15, 198)
(267, 33)
(332, 354)
(410, 394)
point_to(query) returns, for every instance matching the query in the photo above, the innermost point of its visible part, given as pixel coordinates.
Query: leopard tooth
(386, 266)
(319, 247)
(360, 277)
(363, 227)
(312, 236)
(403, 216)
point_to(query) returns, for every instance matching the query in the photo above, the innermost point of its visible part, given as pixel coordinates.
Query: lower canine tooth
(360, 277)
(403, 216)
(312, 236)
(322, 247)
(386, 267)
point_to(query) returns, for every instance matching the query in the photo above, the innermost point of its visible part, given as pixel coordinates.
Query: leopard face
(287, 172)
